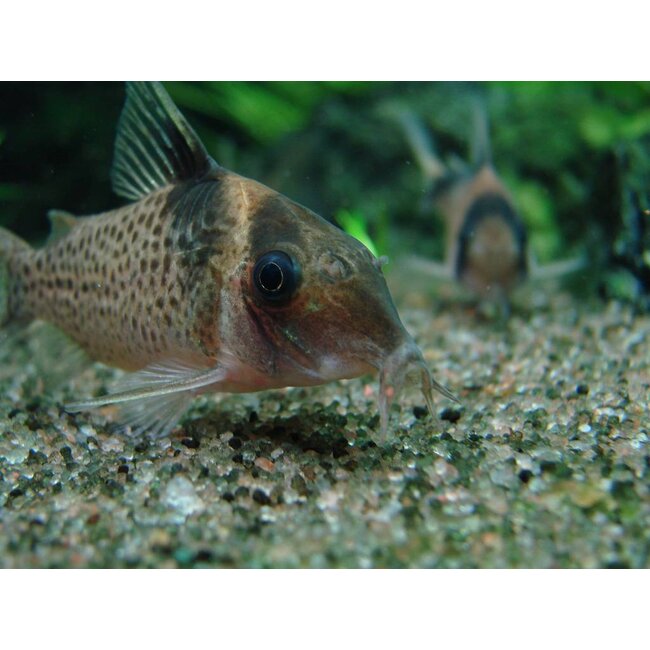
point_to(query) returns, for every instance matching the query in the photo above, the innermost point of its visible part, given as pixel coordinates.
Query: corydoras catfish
(206, 281)
(486, 239)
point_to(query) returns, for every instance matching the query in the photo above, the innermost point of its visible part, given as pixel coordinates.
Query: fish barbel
(206, 281)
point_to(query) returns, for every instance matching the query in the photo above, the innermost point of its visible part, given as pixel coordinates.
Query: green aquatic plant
(618, 114)
(355, 224)
(604, 126)
(324, 143)
(264, 111)
(629, 279)
(536, 206)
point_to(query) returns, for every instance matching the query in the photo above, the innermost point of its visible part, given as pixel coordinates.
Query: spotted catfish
(206, 281)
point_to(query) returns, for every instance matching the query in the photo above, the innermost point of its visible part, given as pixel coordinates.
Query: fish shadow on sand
(320, 431)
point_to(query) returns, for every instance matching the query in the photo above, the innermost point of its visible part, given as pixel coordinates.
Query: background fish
(207, 281)
(486, 239)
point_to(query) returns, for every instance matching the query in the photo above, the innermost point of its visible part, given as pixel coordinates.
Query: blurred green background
(571, 153)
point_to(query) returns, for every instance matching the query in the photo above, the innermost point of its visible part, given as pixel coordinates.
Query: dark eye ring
(276, 275)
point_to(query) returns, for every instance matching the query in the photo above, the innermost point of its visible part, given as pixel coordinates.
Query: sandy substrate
(545, 464)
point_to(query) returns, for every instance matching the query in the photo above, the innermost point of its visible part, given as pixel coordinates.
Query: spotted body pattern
(114, 274)
(206, 281)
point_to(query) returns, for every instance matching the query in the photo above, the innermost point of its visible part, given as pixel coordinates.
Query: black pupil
(276, 276)
(271, 277)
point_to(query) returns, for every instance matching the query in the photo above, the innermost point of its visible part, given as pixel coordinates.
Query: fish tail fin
(419, 141)
(481, 145)
(11, 247)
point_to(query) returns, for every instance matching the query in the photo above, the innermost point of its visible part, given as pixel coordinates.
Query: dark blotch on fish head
(314, 304)
(308, 304)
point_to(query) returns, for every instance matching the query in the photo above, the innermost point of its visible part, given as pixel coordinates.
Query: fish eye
(276, 275)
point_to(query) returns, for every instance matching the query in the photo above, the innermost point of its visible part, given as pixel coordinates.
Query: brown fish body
(486, 242)
(207, 281)
(131, 288)
(110, 284)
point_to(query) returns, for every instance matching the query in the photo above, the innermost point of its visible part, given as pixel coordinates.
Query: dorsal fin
(155, 146)
(61, 223)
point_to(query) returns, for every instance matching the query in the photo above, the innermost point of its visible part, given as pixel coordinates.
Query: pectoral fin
(154, 399)
(430, 268)
(556, 269)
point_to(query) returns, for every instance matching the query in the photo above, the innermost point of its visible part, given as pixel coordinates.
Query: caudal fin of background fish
(419, 140)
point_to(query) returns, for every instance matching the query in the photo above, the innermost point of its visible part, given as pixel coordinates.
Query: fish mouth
(402, 363)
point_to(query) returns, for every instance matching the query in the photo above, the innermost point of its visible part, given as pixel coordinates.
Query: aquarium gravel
(544, 463)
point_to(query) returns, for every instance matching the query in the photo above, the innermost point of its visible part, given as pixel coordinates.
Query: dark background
(569, 152)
